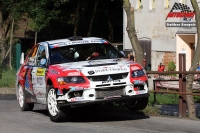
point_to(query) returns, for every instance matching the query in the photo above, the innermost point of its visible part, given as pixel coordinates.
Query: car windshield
(82, 52)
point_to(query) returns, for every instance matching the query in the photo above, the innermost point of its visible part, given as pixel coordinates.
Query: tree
(92, 18)
(132, 34)
(76, 18)
(41, 12)
(190, 77)
(8, 14)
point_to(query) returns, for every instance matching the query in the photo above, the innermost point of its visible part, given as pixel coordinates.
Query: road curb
(7, 91)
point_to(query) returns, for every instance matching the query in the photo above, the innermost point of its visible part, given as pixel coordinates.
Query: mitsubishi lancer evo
(79, 71)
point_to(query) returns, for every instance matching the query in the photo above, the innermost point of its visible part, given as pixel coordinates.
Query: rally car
(79, 71)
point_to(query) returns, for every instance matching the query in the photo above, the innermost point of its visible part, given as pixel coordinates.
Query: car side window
(41, 55)
(31, 57)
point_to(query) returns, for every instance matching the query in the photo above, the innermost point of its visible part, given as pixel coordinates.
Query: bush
(171, 66)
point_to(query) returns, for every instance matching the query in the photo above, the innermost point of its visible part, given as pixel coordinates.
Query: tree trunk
(36, 37)
(92, 18)
(11, 37)
(76, 18)
(110, 25)
(190, 77)
(132, 32)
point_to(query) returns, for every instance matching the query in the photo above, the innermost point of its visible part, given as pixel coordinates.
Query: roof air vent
(75, 38)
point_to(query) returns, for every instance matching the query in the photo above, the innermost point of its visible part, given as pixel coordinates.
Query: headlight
(138, 73)
(71, 79)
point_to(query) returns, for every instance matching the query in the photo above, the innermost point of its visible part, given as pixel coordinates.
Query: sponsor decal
(20, 77)
(74, 88)
(134, 68)
(109, 81)
(138, 82)
(72, 68)
(77, 42)
(73, 74)
(40, 72)
(77, 99)
(59, 92)
(40, 80)
(137, 92)
(91, 72)
(110, 70)
(54, 72)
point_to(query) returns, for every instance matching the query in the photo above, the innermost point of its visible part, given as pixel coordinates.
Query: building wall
(162, 57)
(150, 23)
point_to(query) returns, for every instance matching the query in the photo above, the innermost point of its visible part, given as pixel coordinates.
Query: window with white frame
(139, 4)
(166, 4)
(151, 4)
(183, 2)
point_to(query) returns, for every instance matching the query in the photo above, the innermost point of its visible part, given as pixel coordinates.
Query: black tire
(22, 100)
(56, 114)
(137, 104)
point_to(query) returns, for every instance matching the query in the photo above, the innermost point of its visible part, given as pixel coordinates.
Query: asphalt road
(95, 119)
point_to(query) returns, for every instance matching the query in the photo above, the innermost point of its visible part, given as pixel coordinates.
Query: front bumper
(113, 99)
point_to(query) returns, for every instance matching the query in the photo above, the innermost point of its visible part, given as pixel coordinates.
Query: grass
(167, 99)
(8, 78)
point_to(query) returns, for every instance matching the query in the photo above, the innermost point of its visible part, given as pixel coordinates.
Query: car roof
(71, 39)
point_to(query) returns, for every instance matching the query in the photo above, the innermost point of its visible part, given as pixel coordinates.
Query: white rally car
(79, 71)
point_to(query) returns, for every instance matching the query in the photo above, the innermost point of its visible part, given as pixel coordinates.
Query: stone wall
(164, 57)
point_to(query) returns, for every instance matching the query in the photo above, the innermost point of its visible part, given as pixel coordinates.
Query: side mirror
(22, 58)
(43, 61)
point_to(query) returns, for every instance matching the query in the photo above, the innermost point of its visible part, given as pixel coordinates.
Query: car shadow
(99, 113)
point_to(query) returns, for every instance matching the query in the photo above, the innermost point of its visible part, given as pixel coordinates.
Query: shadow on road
(99, 113)
(89, 113)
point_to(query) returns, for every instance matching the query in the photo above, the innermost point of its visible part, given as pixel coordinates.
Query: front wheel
(137, 104)
(56, 114)
(22, 100)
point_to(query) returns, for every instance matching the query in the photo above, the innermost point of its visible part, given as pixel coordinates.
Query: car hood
(96, 67)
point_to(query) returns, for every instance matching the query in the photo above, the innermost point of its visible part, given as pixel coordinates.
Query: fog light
(91, 95)
(130, 91)
(77, 94)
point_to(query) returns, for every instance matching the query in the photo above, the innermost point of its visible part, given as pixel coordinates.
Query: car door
(24, 74)
(39, 74)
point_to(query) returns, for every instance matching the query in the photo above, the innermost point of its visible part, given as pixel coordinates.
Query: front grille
(106, 77)
(101, 93)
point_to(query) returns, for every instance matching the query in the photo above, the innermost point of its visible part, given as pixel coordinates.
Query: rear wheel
(137, 104)
(56, 114)
(22, 100)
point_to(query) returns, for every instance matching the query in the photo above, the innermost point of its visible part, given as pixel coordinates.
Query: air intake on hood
(74, 38)
(105, 64)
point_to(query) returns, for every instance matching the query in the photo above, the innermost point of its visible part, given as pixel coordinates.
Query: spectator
(197, 76)
(128, 56)
(198, 67)
(144, 63)
(131, 56)
(161, 67)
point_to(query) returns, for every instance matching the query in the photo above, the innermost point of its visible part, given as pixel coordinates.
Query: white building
(161, 43)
